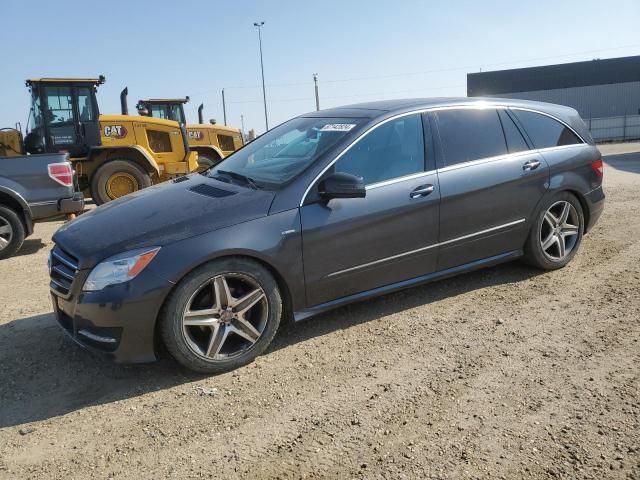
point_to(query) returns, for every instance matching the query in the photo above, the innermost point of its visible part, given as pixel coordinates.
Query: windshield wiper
(243, 178)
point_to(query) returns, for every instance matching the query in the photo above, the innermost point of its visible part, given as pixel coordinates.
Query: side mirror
(342, 185)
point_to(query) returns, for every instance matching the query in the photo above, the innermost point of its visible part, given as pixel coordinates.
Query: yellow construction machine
(113, 155)
(213, 142)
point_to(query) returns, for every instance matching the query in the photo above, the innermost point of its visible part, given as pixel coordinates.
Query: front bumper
(595, 205)
(118, 321)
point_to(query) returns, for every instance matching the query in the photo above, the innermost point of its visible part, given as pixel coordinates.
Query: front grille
(63, 269)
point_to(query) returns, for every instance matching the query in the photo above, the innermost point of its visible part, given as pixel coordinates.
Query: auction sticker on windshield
(337, 127)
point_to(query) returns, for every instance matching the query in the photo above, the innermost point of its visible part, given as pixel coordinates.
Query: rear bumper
(595, 205)
(63, 206)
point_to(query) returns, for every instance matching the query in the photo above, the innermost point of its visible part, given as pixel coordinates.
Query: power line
(426, 72)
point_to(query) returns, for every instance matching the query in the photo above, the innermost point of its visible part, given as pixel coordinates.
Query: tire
(117, 178)
(552, 242)
(11, 232)
(206, 161)
(220, 340)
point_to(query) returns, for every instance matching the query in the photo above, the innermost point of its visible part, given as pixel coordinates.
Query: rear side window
(515, 140)
(544, 131)
(470, 134)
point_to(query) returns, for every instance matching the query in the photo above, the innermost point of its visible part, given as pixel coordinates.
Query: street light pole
(315, 81)
(264, 92)
(224, 107)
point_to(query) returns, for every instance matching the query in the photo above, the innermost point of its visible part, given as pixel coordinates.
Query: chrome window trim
(428, 247)
(476, 106)
(400, 179)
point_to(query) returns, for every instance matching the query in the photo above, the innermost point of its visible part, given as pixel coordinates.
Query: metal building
(606, 93)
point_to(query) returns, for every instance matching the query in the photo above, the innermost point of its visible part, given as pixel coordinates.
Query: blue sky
(362, 50)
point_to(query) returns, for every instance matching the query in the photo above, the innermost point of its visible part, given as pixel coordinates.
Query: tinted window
(84, 104)
(226, 142)
(392, 150)
(515, 140)
(470, 135)
(544, 131)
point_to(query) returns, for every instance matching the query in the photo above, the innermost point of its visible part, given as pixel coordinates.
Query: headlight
(119, 268)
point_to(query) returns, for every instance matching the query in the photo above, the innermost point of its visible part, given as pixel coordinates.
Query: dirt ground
(505, 373)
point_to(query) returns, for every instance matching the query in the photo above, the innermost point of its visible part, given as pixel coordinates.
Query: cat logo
(195, 134)
(115, 131)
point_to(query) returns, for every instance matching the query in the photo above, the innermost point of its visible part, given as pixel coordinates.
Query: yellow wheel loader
(113, 155)
(213, 142)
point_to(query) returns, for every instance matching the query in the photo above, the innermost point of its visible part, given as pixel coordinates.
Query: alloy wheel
(559, 230)
(225, 316)
(6, 233)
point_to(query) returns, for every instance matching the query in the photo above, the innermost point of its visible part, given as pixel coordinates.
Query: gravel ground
(506, 372)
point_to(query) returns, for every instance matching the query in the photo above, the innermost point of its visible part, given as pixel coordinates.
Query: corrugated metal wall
(594, 101)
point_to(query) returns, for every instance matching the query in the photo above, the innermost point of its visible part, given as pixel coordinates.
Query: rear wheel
(11, 232)
(556, 234)
(222, 315)
(116, 179)
(206, 160)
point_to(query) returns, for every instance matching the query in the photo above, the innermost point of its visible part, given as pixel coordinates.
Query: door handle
(531, 165)
(421, 191)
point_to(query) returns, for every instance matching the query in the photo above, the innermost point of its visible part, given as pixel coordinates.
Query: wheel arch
(18, 204)
(135, 153)
(211, 150)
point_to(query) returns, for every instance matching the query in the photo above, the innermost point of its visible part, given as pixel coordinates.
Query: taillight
(61, 173)
(598, 167)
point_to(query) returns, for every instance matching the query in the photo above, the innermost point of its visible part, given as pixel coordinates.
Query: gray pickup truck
(34, 188)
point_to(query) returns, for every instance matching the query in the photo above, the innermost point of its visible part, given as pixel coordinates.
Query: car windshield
(283, 153)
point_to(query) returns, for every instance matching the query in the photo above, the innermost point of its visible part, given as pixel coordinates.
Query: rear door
(490, 183)
(358, 244)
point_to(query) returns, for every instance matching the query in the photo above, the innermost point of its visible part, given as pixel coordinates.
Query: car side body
(429, 224)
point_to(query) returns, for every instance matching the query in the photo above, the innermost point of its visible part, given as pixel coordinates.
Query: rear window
(545, 131)
(226, 142)
(470, 134)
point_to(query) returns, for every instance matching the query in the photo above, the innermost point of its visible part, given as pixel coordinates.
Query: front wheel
(222, 315)
(116, 179)
(556, 233)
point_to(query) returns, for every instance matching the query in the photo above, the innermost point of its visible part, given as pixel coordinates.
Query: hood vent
(183, 178)
(209, 191)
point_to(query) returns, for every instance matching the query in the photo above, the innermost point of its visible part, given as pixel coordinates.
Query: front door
(71, 119)
(355, 245)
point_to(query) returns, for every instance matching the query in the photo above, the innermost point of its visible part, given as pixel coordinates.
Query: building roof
(549, 77)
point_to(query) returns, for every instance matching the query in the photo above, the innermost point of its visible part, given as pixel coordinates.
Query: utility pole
(315, 81)
(224, 108)
(264, 92)
(242, 123)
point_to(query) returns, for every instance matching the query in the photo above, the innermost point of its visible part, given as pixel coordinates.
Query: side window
(226, 142)
(392, 150)
(158, 111)
(59, 105)
(85, 106)
(544, 131)
(515, 140)
(469, 134)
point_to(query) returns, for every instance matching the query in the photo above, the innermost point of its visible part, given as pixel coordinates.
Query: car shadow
(627, 162)
(43, 374)
(30, 246)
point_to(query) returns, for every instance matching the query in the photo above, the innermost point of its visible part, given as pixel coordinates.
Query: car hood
(160, 215)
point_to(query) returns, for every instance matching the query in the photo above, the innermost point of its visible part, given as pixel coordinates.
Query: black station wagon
(328, 208)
